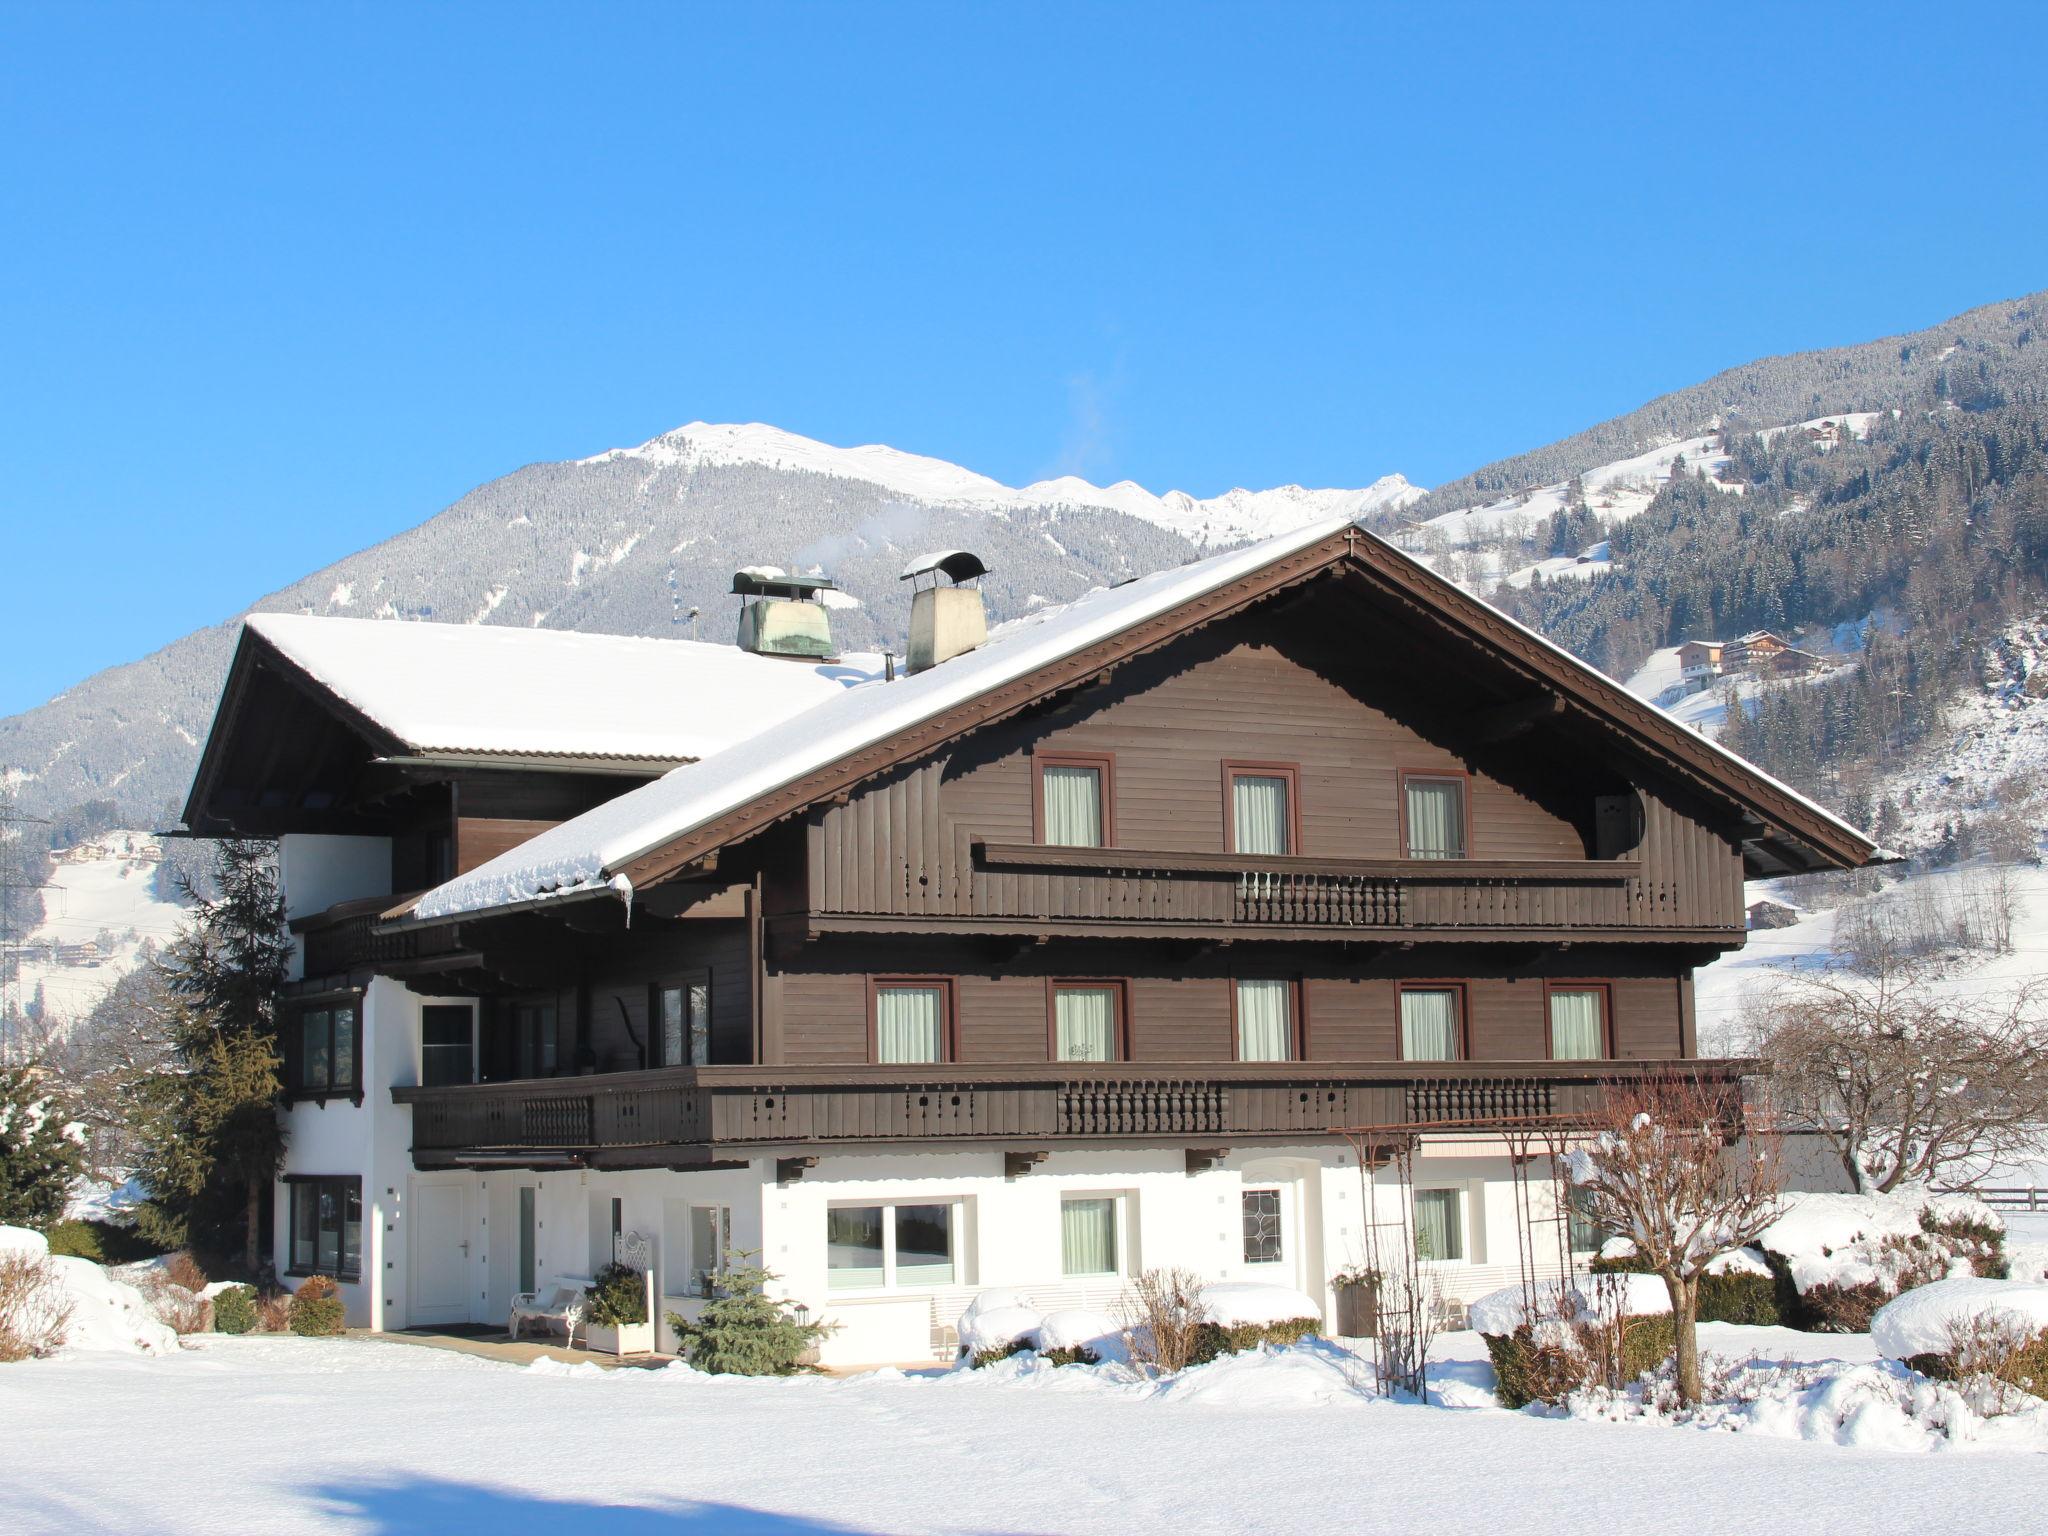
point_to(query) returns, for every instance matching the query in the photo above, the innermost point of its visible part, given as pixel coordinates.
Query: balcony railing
(683, 1115)
(344, 938)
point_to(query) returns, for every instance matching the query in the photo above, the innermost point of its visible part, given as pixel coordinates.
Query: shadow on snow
(437, 1507)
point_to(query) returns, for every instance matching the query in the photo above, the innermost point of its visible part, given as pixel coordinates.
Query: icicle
(623, 889)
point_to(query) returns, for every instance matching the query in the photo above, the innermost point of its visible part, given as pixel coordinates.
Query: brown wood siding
(667, 955)
(903, 845)
(1352, 1018)
(479, 839)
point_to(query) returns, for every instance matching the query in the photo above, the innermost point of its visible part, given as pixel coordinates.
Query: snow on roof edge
(551, 862)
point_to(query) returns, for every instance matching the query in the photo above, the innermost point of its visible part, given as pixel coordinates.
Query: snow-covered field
(110, 901)
(277, 1434)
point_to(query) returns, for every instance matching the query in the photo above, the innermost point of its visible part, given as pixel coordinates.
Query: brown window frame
(679, 981)
(1605, 987)
(948, 988)
(1104, 763)
(1233, 768)
(1459, 776)
(1297, 993)
(1444, 984)
(1120, 1044)
(291, 1048)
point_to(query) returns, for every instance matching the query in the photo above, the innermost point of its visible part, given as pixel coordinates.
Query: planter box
(1358, 1309)
(625, 1339)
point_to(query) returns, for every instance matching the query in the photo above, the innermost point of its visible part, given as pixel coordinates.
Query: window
(911, 1019)
(1586, 1236)
(447, 1044)
(1433, 816)
(710, 1235)
(536, 1038)
(1090, 1235)
(1578, 1023)
(1086, 1021)
(1262, 807)
(875, 1247)
(1074, 800)
(1431, 1024)
(1265, 1020)
(529, 1232)
(324, 1051)
(684, 1015)
(327, 1227)
(1439, 1224)
(1262, 1239)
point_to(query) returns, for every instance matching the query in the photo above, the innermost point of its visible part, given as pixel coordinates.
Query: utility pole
(10, 947)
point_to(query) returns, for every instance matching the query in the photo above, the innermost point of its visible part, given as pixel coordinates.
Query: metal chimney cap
(755, 581)
(957, 565)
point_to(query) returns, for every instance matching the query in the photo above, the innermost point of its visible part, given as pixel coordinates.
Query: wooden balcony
(1011, 887)
(683, 1116)
(344, 939)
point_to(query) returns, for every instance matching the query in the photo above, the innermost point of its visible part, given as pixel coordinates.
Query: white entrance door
(442, 1275)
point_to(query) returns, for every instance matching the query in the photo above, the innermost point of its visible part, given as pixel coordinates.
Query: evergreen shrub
(618, 1298)
(743, 1330)
(234, 1310)
(1216, 1339)
(316, 1309)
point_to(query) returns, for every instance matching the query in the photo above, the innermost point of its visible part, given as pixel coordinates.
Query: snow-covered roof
(457, 689)
(589, 852)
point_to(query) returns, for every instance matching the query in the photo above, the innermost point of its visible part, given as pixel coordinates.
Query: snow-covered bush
(1077, 1336)
(996, 1325)
(1566, 1336)
(1240, 1315)
(317, 1309)
(1738, 1287)
(1985, 1334)
(1848, 1255)
(1163, 1316)
(101, 1311)
(33, 1306)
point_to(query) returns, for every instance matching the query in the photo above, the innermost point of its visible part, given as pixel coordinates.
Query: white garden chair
(558, 1306)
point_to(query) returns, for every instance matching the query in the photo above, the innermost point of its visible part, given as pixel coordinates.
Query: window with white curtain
(1261, 820)
(910, 1022)
(1089, 1234)
(1439, 1224)
(1429, 1024)
(1072, 800)
(1084, 1023)
(1265, 1020)
(1578, 1023)
(1436, 817)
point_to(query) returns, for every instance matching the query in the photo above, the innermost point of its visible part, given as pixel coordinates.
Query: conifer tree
(208, 1126)
(744, 1331)
(41, 1148)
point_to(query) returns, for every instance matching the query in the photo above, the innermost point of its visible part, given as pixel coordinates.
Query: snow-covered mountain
(644, 541)
(1233, 517)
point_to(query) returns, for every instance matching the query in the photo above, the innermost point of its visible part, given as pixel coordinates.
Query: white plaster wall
(315, 870)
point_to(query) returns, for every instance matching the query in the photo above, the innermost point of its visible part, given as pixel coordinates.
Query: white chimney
(945, 621)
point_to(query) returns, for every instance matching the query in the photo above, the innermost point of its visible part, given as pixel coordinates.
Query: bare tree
(1907, 1084)
(1661, 1172)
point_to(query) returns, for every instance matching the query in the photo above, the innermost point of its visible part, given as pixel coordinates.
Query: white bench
(559, 1305)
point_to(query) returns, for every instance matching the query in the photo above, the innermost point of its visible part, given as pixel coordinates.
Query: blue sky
(278, 281)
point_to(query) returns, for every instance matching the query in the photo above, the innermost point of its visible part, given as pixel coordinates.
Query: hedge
(317, 1310)
(1525, 1372)
(101, 1241)
(1757, 1300)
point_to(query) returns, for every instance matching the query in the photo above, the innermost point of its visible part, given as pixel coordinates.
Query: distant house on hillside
(1699, 663)
(1754, 649)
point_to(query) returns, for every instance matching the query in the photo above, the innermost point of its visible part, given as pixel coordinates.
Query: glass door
(528, 1227)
